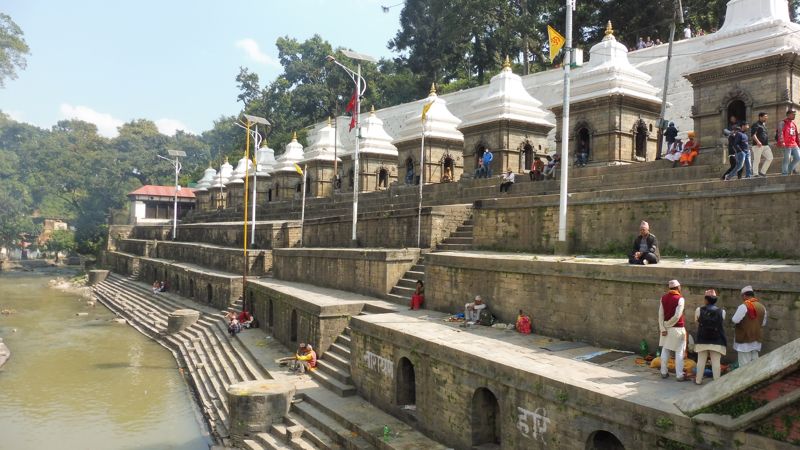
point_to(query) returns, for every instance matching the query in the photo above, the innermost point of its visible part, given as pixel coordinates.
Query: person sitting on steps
(418, 297)
(645, 247)
(508, 181)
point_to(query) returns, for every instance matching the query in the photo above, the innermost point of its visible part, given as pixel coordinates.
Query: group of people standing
(747, 146)
(710, 341)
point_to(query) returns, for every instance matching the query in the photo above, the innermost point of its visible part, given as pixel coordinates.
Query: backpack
(778, 134)
(486, 318)
(709, 324)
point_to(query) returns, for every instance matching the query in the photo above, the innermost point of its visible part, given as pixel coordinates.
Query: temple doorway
(603, 440)
(737, 109)
(293, 327)
(584, 143)
(209, 292)
(528, 156)
(270, 316)
(383, 178)
(485, 418)
(191, 288)
(640, 139)
(447, 173)
(406, 383)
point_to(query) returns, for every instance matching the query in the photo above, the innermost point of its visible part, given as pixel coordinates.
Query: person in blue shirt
(487, 163)
(741, 144)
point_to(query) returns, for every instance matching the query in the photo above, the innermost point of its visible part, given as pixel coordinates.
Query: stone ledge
(772, 275)
(360, 254)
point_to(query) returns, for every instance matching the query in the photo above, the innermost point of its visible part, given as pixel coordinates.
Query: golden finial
(226, 160)
(433, 89)
(609, 29)
(507, 63)
(294, 135)
(329, 121)
(372, 110)
(209, 165)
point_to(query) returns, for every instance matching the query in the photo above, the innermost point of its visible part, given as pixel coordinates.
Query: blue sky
(173, 62)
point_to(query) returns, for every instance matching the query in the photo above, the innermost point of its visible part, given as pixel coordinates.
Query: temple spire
(507, 63)
(609, 32)
(294, 135)
(433, 89)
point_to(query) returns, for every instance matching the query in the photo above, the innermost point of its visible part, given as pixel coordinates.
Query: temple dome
(506, 99)
(292, 154)
(325, 145)
(208, 178)
(439, 121)
(609, 72)
(374, 139)
(224, 175)
(245, 166)
(265, 160)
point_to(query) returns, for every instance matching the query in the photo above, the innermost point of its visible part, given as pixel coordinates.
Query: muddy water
(83, 382)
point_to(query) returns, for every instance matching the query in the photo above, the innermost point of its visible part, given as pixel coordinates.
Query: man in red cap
(673, 334)
(750, 318)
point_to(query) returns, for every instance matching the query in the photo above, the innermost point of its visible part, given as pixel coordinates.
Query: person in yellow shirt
(306, 359)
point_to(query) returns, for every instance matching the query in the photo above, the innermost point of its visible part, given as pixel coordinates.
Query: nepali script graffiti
(379, 364)
(532, 425)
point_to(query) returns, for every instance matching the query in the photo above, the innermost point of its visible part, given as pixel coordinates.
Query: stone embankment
(212, 361)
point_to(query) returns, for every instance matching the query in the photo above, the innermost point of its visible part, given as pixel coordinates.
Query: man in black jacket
(645, 247)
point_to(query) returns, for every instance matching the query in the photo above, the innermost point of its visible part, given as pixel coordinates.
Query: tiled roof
(163, 191)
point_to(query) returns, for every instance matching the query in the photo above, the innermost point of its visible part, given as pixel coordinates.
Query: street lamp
(361, 87)
(177, 164)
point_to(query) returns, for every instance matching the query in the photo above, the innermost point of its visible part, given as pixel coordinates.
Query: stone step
(415, 275)
(253, 445)
(468, 223)
(404, 291)
(406, 282)
(418, 268)
(335, 359)
(461, 234)
(330, 382)
(453, 247)
(312, 434)
(339, 373)
(284, 434)
(341, 350)
(333, 429)
(399, 299)
(343, 340)
(458, 240)
(465, 229)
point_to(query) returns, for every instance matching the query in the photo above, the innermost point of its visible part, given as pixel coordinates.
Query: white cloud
(106, 123)
(253, 51)
(170, 126)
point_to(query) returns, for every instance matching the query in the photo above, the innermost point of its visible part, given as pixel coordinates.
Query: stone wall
(198, 284)
(117, 233)
(365, 271)
(389, 229)
(606, 304)
(537, 407)
(713, 219)
(293, 318)
(506, 139)
(231, 260)
(138, 247)
(268, 234)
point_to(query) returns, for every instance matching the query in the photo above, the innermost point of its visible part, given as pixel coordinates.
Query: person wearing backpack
(710, 341)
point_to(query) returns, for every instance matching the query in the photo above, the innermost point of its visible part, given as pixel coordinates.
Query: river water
(83, 382)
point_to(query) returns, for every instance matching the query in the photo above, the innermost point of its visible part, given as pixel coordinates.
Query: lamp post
(177, 154)
(256, 145)
(562, 200)
(361, 87)
(249, 122)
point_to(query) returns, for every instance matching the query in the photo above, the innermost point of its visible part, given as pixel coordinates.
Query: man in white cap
(673, 334)
(645, 247)
(750, 318)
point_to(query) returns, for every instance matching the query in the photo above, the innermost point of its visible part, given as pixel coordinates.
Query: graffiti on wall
(379, 364)
(532, 424)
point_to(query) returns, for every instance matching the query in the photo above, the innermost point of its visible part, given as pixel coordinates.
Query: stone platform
(476, 386)
(217, 257)
(605, 300)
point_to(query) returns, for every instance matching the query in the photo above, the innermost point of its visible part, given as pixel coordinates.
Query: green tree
(12, 49)
(61, 241)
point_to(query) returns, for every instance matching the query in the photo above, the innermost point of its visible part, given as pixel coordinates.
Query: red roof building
(154, 204)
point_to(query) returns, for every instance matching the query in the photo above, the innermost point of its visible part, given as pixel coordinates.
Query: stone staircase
(210, 360)
(405, 287)
(333, 369)
(459, 240)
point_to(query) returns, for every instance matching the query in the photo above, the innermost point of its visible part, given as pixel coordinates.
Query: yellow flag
(425, 110)
(298, 169)
(556, 41)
